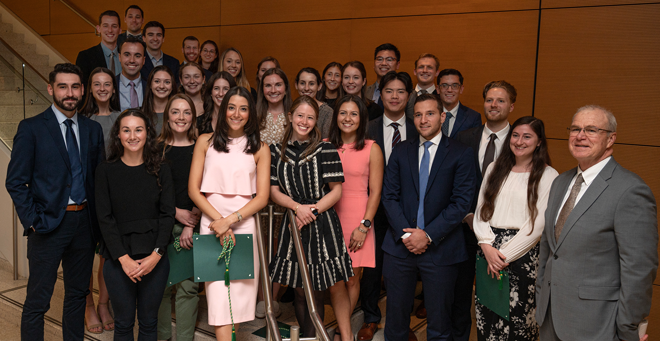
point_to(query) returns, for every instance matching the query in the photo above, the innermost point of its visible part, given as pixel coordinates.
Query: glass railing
(23, 92)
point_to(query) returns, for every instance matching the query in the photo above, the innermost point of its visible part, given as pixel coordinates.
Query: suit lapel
(460, 118)
(440, 154)
(555, 204)
(56, 134)
(413, 161)
(83, 130)
(590, 196)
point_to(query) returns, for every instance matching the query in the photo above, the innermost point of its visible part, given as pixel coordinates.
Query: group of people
(387, 181)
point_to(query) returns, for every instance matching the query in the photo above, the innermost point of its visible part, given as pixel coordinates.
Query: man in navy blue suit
(154, 36)
(50, 178)
(428, 189)
(459, 117)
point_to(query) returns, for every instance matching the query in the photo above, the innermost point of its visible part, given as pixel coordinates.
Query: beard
(68, 106)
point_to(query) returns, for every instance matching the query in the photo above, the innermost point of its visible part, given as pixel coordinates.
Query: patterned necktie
(489, 156)
(423, 181)
(77, 182)
(396, 138)
(445, 124)
(568, 206)
(134, 96)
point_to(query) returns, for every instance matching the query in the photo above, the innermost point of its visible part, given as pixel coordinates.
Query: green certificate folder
(491, 292)
(181, 264)
(208, 268)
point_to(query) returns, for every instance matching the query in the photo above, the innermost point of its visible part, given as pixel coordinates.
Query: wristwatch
(159, 251)
(366, 223)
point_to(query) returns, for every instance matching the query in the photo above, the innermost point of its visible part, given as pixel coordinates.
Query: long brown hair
(505, 162)
(241, 78)
(360, 134)
(182, 89)
(167, 135)
(214, 64)
(262, 102)
(148, 104)
(251, 129)
(360, 67)
(91, 107)
(314, 135)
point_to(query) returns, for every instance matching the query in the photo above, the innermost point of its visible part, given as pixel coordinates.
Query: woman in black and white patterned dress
(308, 177)
(508, 224)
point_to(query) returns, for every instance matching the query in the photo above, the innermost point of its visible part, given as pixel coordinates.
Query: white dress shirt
(125, 92)
(429, 90)
(588, 176)
(432, 149)
(388, 134)
(485, 138)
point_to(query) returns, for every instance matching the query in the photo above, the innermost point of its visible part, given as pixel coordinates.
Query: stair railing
(79, 13)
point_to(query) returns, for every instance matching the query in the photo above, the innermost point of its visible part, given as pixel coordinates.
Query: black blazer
(38, 172)
(466, 119)
(375, 132)
(410, 108)
(90, 59)
(472, 139)
(122, 37)
(168, 61)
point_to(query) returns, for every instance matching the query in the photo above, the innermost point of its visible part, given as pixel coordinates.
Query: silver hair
(611, 120)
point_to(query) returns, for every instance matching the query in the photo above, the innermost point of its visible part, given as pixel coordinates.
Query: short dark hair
(393, 75)
(450, 72)
(133, 39)
(109, 13)
(135, 7)
(388, 47)
(430, 97)
(64, 68)
(510, 89)
(153, 24)
(193, 38)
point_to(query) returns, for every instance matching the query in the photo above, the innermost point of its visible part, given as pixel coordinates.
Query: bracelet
(240, 217)
(296, 210)
(361, 230)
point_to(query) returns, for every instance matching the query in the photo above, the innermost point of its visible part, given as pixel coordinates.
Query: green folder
(181, 264)
(208, 268)
(491, 292)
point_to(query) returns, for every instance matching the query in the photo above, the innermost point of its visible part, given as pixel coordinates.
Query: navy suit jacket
(90, 59)
(144, 87)
(39, 176)
(466, 119)
(168, 61)
(448, 197)
(375, 132)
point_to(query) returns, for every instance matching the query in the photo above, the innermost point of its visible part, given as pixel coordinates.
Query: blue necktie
(77, 182)
(423, 181)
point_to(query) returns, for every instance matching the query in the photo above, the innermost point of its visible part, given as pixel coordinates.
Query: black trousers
(72, 244)
(461, 319)
(370, 284)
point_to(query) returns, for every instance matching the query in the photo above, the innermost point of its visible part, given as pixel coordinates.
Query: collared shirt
(106, 53)
(388, 134)
(376, 95)
(432, 148)
(125, 92)
(452, 120)
(588, 176)
(485, 138)
(155, 61)
(429, 90)
(76, 131)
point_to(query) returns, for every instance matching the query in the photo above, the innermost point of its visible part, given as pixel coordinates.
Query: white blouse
(511, 212)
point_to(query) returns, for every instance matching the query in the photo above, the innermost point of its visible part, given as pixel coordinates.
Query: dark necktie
(77, 182)
(568, 206)
(396, 137)
(422, 92)
(423, 181)
(445, 124)
(489, 156)
(112, 63)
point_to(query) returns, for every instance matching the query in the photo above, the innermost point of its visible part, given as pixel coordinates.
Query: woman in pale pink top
(228, 167)
(363, 164)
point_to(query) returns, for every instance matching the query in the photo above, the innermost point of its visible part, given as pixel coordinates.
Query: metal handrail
(75, 10)
(321, 333)
(272, 332)
(17, 55)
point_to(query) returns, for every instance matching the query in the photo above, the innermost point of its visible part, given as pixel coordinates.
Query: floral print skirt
(522, 286)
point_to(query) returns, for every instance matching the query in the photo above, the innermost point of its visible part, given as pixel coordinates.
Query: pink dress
(228, 182)
(353, 203)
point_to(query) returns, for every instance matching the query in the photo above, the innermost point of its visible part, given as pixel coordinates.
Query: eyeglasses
(446, 86)
(590, 131)
(388, 59)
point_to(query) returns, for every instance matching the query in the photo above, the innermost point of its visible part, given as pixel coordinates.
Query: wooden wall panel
(36, 13)
(178, 14)
(483, 46)
(312, 44)
(644, 161)
(654, 318)
(601, 55)
(237, 12)
(586, 3)
(70, 44)
(64, 21)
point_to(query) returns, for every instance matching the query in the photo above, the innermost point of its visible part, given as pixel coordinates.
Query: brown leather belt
(75, 208)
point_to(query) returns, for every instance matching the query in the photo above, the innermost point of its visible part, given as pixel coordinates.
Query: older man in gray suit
(599, 250)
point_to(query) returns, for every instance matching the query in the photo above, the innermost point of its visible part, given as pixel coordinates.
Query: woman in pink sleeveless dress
(228, 167)
(363, 165)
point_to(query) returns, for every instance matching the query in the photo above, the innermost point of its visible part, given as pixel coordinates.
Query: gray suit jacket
(369, 91)
(598, 277)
